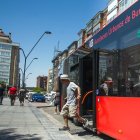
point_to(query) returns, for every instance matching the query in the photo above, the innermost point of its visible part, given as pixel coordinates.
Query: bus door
(85, 81)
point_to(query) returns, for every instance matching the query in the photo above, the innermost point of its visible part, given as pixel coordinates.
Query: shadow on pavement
(10, 134)
(80, 132)
(85, 132)
(44, 106)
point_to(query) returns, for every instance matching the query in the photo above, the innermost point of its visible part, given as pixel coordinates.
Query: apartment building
(82, 37)
(92, 27)
(9, 60)
(58, 68)
(42, 82)
(59, 60)
(50, 81)
(116, 7)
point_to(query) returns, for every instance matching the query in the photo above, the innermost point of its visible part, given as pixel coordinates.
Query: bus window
(107, 69)
(123, 66)
(130, 69)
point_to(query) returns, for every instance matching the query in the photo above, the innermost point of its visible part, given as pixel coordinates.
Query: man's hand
(78, 97)
(65, 99)
(78, 93)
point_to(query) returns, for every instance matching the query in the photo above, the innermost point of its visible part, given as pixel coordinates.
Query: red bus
(116, 54)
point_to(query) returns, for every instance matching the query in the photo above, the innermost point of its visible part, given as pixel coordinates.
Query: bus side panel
(118, 117)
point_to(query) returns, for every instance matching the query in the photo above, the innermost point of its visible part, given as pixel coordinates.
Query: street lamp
(30, 63)
(26, 56)
(20, 79)
(28, 75)
(22, 74)
(26, 78)
(21, 70)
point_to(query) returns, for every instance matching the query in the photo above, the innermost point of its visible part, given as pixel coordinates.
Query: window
(5, 60)
(4, 74)
(124, 4)
(4, 80)
(4, 67)
(5, 47)
(108, 67)
(122, 63)
(4, 53)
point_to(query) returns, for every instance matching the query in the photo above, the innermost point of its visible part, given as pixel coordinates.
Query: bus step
(88, 117)
(89, 127)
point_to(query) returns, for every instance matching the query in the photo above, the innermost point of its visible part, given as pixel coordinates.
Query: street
(36, 121)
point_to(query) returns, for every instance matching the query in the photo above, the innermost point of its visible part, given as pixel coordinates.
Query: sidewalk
(29, 123)
(77, 131)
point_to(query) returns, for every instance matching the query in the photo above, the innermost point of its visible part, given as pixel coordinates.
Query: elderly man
(70, 108)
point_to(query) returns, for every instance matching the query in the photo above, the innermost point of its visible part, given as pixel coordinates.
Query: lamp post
(26, 56)
(26, 69)
(26, 78)
(20, 79)
(21, 70)
(27, 75)
(30, 63)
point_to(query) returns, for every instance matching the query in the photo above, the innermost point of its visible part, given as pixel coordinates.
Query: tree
(37, 89)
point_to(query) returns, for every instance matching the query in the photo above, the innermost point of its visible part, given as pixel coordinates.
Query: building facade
(116, 7)
(58, 68)
(42, 82)
(9, 60)
(50, 81)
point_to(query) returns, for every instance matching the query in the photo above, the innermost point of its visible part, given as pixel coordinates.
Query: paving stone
(27, 123)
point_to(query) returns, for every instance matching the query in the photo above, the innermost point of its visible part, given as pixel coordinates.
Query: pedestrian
(72, 103)
(12, 92)
(21, 96)
(105, 87)
(57, 102)
(1, 93)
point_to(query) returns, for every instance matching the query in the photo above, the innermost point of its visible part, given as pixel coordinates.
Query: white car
(27, 96)
(48, 97)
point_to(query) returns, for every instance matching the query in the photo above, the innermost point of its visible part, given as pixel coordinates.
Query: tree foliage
(37, 89)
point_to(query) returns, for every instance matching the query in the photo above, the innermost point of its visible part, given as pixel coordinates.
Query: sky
(27, 20)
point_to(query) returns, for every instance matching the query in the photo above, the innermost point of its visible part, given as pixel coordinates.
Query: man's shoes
(86, 123)
(64, 128)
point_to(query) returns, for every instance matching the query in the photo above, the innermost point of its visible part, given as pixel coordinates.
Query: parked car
(48, 97)
(30, 96)
(37, 97)
(27, 96)
(53, 93)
